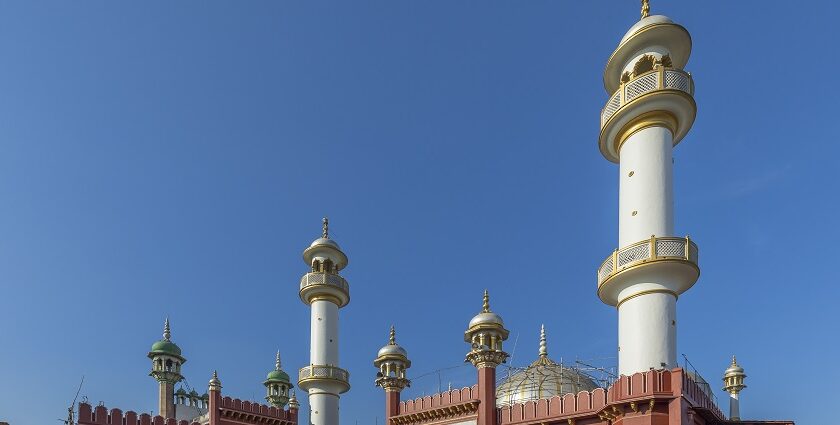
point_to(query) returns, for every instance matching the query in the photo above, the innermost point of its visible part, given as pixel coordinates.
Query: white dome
(324, 241)
(486, 318)
(543, 379)
(392, 350)
(650, 20)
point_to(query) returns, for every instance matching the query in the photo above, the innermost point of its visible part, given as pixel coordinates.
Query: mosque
(650, 109)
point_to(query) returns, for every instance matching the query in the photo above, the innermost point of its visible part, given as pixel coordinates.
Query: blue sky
(175, 158)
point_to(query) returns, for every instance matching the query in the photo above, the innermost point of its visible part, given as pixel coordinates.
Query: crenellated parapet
(653, 393)
(449, 405)
(100, 415)
(236, 411)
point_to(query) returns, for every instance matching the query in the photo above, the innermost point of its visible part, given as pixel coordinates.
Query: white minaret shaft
(647, 323)
(325, 292)
(651, 108)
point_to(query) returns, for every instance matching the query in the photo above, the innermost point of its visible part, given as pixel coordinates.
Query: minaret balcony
(328, 286)
(652, 81)
(635, 265)
(313, 374)
(662, 89)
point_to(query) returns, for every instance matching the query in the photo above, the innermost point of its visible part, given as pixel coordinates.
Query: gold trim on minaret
(645, 8)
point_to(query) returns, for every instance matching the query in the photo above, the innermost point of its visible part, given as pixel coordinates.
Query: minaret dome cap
(653, 31)
(324, 247)
(486, 317)
(165, 345)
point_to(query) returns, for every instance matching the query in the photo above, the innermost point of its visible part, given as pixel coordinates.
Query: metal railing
(323, 371)
(660, 78)
(647, 250)
(318, 278)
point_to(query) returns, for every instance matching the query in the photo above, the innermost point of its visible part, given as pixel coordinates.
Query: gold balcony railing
(660, 78)
(313, 372)
(318, 278)
(646, 251)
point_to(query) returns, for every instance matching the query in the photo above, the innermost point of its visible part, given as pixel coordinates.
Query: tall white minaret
(650, 109)
(325, 292)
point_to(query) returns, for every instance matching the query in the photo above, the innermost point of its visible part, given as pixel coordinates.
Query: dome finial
(392, 338)
(645, 8)
(543, 345)
(166, 333)
(277, 361)
(326, 228)
(486, 306)
(734, 363)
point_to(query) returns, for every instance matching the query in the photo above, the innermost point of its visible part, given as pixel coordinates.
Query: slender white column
(647, 333)
(324, 334)
(323, 407)
(734, 407)
(645, 186)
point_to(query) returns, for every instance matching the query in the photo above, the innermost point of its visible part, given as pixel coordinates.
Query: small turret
(733, 383)
(392, 362)
(277, 385)
(485, 333)
(166, 369)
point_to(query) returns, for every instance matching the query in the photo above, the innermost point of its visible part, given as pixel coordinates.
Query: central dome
(544, 378)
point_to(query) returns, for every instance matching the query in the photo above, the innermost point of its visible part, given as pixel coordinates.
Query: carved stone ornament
(392, 383)
(486, 358)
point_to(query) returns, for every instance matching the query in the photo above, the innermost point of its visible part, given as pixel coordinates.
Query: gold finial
(734, 363)
(166, 333)
(277, 361)
(326, 232)
(645, 8)
(392, 338)
(486, 306)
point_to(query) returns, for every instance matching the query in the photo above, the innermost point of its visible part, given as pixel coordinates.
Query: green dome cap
(277, 375)
(165, 346)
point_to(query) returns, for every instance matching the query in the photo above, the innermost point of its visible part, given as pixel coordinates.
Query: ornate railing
(335, 280)
(323, 372)
(660, 78)
(647, 250)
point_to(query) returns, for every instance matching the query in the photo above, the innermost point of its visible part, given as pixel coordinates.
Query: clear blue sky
(174, 158)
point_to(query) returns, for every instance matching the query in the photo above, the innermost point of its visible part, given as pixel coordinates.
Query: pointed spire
(326, 228)
(215, 383)
(734, 363)
(166, 333)
(277, 361)
(486, 306)
(645, 8)
(392, 338)
(543, 345)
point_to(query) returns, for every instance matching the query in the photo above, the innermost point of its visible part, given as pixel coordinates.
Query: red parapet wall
(101, 416)
(584, 403)
(235, 412)
(446, 398)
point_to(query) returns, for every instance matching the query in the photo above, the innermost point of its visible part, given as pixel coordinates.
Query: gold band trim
(651, 291)
(324, 297)
(646, 120)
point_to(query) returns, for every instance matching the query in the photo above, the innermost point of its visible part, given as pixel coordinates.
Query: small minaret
(325, 292)
(733, 383)
(277, 385)
(485, 333)
(214, 392)
(650, 109)
(166, 369)
(392, 362)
